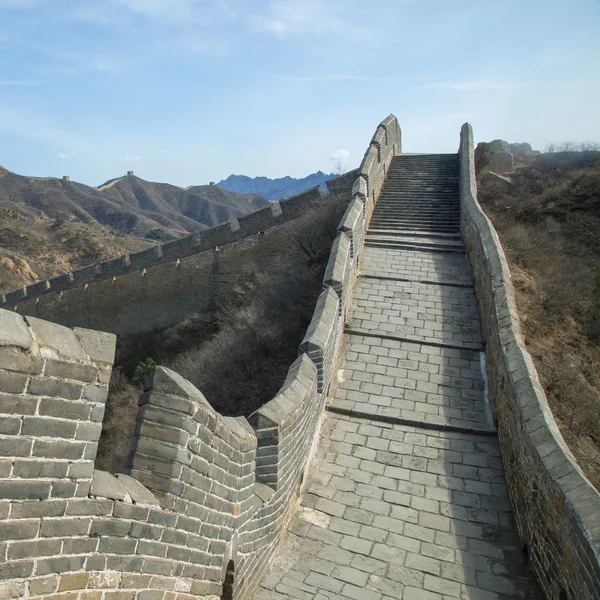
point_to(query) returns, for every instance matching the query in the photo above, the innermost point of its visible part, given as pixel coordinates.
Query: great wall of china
(135, 293)
(207, 499)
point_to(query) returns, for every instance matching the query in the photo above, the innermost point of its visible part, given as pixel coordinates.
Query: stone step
(412, 210)
(420, 202)
(414, 247)
(419, 228)
(414, 219)
(407, 238)
(396, 233)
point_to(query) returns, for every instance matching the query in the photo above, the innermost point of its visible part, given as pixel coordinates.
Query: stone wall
(206, 498)
(150, 293)
(557, 509)
(261, 220)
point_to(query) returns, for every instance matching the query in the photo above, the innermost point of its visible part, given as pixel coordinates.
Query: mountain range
(274, 189)
(126, 205)
(49, 225)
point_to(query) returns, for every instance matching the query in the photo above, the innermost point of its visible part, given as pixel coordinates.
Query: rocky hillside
(32, 247)
(127, 205)
(274, 189)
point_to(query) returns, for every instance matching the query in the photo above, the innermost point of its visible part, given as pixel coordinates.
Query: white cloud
(340, 155)
(286, 18)
(64, 155)
(132, 158)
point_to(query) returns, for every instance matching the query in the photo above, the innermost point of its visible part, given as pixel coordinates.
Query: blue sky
(188, 91)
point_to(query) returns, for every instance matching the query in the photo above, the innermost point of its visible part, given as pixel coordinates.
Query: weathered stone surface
(14, 330)
(105, 485)
(137, 492)
(57, 338)
(99, 345)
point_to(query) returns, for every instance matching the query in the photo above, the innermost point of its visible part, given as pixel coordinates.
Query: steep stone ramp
(408, 498)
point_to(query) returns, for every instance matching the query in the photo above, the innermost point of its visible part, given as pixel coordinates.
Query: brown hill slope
(127, 205)
(49, 226)
(547, 214)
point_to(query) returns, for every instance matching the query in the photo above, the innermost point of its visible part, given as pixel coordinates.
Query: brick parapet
(53, 388)
(556, 507)
(385, 144)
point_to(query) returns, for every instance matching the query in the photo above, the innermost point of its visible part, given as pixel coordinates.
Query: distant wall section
(159, 286)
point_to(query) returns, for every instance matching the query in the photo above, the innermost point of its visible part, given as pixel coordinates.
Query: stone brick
(64, 527)
(25, 490)
(30, 469)
(42, 585)
(99, 345)
(33, 549)
(89, 431)
(95, 393)
(69, 370)
(15, 360)
(47, 386)
(10, 591)
(73, 581)
(110, 527)
(80, 546)
(59, 338)
(46, 566)
(27, 510)
(40, 426)
(97, 562)
(63, 409)
(81, 470)
(10, 426)
(14, 330)
(12, 404)
(63, 489)
(58, 449)
(16, 570)
(105, 485)
(117, 546)
(105, 580)
(122, 563)
(12, 383)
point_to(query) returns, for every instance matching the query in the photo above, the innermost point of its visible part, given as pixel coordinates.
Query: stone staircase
(419, 207)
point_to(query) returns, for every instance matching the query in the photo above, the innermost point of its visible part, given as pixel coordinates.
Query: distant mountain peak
(274, 189)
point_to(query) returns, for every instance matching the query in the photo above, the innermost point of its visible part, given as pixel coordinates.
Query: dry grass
(239, 355)
(549, 224)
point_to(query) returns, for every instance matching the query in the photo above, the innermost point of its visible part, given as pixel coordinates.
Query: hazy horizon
(191, 91)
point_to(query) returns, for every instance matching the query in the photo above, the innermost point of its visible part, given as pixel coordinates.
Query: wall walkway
(409, 498)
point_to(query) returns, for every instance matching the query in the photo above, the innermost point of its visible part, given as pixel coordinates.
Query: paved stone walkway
(407, 499)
